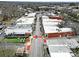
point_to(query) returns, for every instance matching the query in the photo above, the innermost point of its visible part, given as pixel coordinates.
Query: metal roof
(59, 51)
(55, 29)
(25, 20)
(59, 48)
(18, 31)
(31, 14)
(71, 42)
(60, 55)
(50, 23)
(51, 20)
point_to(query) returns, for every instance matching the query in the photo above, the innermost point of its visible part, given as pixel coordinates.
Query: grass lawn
(7, 52)
(13, 40)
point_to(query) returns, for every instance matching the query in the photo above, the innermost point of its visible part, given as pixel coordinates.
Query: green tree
(72, 4)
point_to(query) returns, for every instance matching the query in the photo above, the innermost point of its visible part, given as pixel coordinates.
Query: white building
(59, 51)
(23, 25)
(60, 47)
(22, 29)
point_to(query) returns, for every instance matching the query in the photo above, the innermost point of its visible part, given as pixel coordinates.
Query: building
(23, 26)
(51, 28)
(62, 46)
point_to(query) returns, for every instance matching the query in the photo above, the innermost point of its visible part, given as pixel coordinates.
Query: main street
(37, 43)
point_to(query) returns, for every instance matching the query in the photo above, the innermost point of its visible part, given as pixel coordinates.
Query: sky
(44, 0)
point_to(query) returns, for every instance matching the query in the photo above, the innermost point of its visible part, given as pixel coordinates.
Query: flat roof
(51, 20)
(50, 23)
(53, 14)
(25, 20)
(52, 27)
(49, 29)
(22, 18)
(55, 29)
(31, 14)
(45, 17)
(71, 42)
(18, 31)
(60, 55)
(59, 51)
(59, 48)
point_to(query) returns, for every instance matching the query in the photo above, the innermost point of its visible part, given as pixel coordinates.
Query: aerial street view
(39, 29)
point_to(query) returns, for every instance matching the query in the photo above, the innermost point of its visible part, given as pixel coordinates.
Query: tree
(72, 4)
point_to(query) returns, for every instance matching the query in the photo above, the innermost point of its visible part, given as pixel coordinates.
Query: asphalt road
(37, 45)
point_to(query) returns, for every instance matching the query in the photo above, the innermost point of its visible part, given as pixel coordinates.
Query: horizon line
(40, 1)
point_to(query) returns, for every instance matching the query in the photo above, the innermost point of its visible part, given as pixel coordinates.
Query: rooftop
(71, 41)
(55, 29)
(25, 20)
